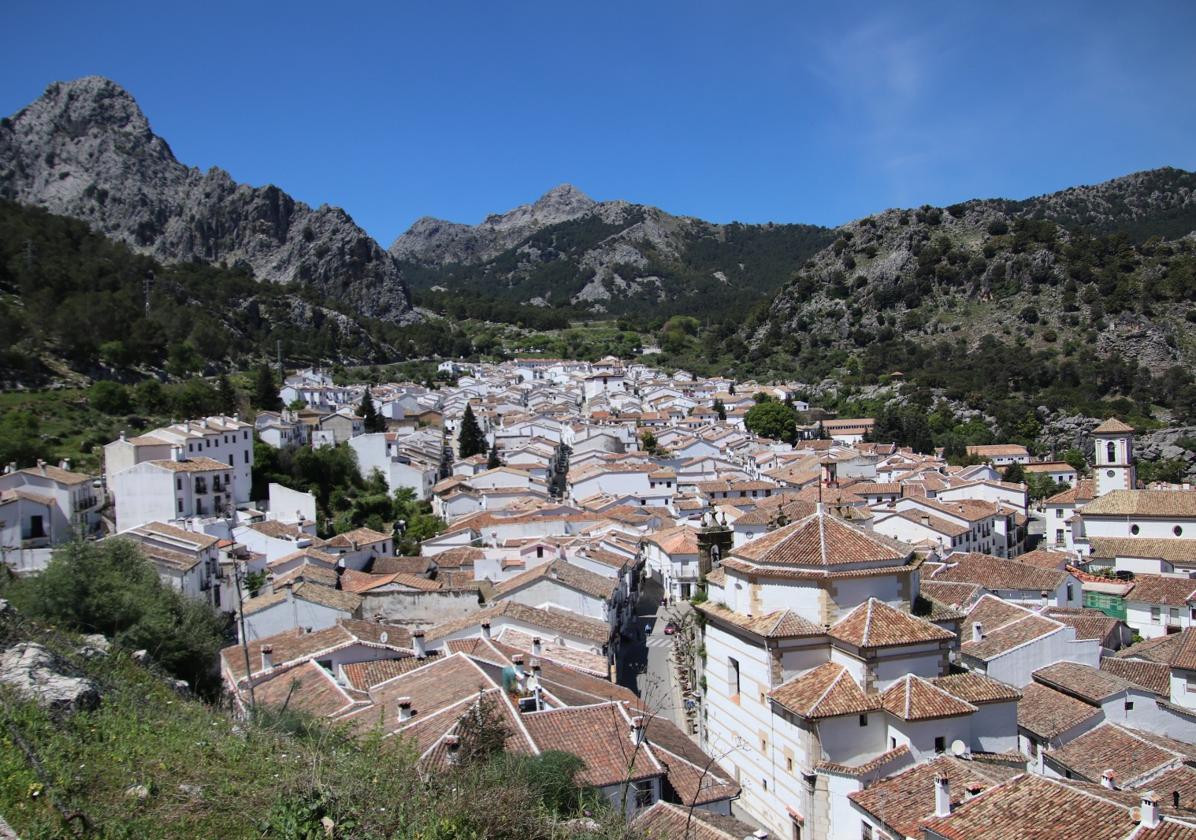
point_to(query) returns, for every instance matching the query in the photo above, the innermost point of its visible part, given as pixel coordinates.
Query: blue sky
(749, 111)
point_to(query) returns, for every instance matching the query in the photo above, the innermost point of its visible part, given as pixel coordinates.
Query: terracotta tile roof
(1159, 589)
(308, 556)
(307, 571)
(1181, 779)
(197, 538)
(1047, 713)
(600, 736)
(1112, 426)
(1083, 491)
(57, 474)
(562, 572)
(935, 523)
(191, 465)
(866, 767)
(773, 625)
(305, 688)
(821, 540)
(1152, 676)
(405, 565)
(274, 528)
(994, 573)
(554, 621)
(366, 675)
(1089, 684)
(977, 689)
(826, 691)
(875, 624)
(1171, 550)
(1088, 623)
(994, 450)
(1005, 626)
(902, 801)
(681, 540)
(1162, 504)
(361, 536)
(1112, 747)
(1032, 806)
(1170, 648)
(666, 821)
(1045, 559)
(913, 698)
(291, 646)
(950, 592)
(690, 772)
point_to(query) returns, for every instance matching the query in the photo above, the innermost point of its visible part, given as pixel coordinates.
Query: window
(1190, 685)
(789, 764)
(246, 456)
(892, 743)
(764, 782)
(1174, 614)
(178, 483)
(863, 720)
(1134, 529)
(1110, 473)
(180, 505)
(1111, 452)
(866, 831)
(796, 830)
(1177, 530)
(733, 675)
(1129, 705)
(643, 793)
(1069, 593)
(1058, 513)
(763, 745)
(1155, 615)
(1059, 536)
(940, 744)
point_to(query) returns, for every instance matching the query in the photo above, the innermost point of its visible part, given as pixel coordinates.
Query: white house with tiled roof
(817, 673)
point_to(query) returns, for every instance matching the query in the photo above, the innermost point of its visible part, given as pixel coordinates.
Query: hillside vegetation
(149, 763)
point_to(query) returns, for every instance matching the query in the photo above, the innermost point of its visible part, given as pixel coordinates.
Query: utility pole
(244, 640)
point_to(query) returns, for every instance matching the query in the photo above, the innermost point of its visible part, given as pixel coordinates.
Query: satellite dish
(958, 748)
(383, 637)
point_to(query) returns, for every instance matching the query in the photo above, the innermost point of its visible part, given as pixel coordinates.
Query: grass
(211, 776)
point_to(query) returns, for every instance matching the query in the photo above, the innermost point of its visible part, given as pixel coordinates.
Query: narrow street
(647, 657)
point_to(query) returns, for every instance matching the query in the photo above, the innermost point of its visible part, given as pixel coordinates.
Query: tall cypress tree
(493, 462)
(373, 421)
(227, 395)
(265, 390)
(470, 441)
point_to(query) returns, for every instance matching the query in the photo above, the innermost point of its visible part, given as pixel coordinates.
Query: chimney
(925, 520)
(176, 453)
(405, 710)
(65, 464)
(977, 631)
(486, 630)
(1106, 779)
(536, 646)
(267, 657)
(942, 795)
(340, 674)
(453, 743)
(417, 642)
(758, 834)
(1150, 810)
(122, 434)
(637, 730)
(41, 465)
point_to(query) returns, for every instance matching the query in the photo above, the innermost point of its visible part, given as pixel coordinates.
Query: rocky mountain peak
(85, 149)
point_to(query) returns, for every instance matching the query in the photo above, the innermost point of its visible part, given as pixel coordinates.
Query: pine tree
(227, 395)
(265, 391)
(373, 421)
(720, 409)
(470, 440)
(493, 462)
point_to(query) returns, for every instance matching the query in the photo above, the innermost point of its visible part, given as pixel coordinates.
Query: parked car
(670, 628)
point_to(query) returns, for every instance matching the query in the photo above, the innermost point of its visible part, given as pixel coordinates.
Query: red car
(670, 628)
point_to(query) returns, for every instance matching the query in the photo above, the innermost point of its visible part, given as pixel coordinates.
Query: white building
(226, 440)
(175, 488)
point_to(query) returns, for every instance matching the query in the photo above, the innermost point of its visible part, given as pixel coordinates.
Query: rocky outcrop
(86, 150)
(436, 241)
(36, 674)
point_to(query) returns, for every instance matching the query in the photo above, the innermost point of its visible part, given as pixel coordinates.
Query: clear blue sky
(751, 111)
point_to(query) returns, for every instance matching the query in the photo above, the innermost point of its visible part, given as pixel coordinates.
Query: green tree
(150, 396)
(1075, 459)
(111, 588)
(226, 396)
(648, 442)
(1015, 473)
(720, 409)
(772, 419)
(372, 420)
(493, 462)
(470, 440)
(195, 398)
(265, 390)
(20, 440)
(109, 398)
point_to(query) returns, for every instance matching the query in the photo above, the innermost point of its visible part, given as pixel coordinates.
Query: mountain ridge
(85, 149)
